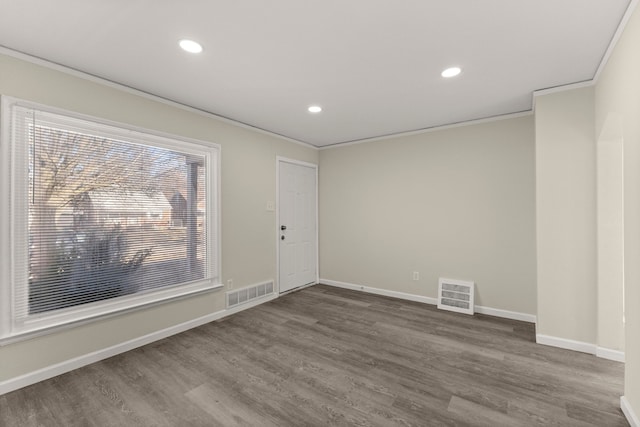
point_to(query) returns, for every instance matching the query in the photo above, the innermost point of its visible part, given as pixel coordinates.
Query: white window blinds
(105, 218)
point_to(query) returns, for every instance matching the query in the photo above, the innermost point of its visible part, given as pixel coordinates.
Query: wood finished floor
(327, 356)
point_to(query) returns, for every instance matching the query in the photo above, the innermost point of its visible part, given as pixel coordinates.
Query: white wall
(566, 215)
(618, 93)
(248, 229)
(456, 203)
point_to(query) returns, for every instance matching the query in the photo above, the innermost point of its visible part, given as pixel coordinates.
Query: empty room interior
(339, 213)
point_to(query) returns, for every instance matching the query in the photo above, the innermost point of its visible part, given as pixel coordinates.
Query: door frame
(279, 161)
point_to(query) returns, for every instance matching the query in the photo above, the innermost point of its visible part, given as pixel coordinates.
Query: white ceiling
(373, 65)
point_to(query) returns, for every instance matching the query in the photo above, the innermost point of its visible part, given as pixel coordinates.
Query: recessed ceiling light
(451, 72)
(314, 109)
(190, 46)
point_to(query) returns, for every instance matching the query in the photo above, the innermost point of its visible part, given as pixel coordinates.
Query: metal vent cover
(250, 293)
(455, 295)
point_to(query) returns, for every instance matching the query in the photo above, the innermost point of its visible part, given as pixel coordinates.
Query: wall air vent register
(455, 295)
(245, 295)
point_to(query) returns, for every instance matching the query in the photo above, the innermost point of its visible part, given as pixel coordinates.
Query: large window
(100, 218)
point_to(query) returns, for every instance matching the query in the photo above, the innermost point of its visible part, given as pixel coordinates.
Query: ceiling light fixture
(314, 109)
(190, 46)
(451, 72)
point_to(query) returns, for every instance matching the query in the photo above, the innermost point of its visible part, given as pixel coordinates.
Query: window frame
(14, 224)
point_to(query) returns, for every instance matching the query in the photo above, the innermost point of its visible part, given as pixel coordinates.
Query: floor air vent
(455, 295)
(244, 295)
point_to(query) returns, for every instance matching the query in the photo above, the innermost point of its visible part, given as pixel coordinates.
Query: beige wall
(456, 203)
(566, 215)
(618, 93)
(248, 182)
(610, 216)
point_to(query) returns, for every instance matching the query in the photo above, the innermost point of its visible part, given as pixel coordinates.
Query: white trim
(632, 418)
(130, 90)
(561, 88)
(584, 347)
(609, 354)
(558, 89)
(567, 344)
(506, 314)
(281, 159)
(276, 284)
(430, 129)
(428, 300)
(74, 324)
(12, 332)
(296, 162)
(378, 291)
(86, 359)
(299, 288)
(614, 40)
(138, 133)
(5, 215)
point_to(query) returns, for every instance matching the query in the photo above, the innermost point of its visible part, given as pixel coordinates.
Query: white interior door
(297, 228)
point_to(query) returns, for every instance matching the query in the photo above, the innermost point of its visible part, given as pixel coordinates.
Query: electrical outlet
(416, 275)
(230, 284)
(271, 206)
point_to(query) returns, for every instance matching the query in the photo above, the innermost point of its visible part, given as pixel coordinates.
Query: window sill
(107, 312)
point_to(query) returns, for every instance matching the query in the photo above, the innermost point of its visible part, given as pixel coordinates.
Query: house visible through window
(104, 218)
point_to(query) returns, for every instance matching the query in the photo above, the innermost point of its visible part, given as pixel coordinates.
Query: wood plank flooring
(327, 356)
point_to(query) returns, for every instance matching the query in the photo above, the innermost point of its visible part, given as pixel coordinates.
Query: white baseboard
(567, 344)
(86, 359)
(428, 300)
(378, 291)
(584, 347)
(632, 418)
(607, 353)
(299, 288)
(506, 314)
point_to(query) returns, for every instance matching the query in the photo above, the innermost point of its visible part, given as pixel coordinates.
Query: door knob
(283, 227)
(281, 237)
